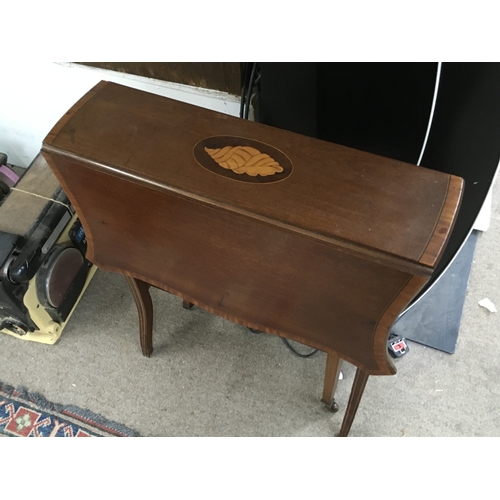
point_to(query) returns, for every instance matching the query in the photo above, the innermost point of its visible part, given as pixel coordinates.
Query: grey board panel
(434, 320)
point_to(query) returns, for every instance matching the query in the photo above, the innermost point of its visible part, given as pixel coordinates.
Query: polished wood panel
(328, 256)
(224, 263)
(147, 138)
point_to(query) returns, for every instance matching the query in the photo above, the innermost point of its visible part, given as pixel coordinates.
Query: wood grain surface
(329, 256)
(377, 206)
(238, 267)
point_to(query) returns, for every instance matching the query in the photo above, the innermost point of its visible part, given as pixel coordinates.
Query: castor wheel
(334, 407)
(253, 330)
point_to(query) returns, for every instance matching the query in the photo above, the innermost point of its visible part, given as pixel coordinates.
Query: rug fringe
(100, 420)
(44, 404)
(32, 397)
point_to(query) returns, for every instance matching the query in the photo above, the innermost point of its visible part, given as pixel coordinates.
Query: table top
(390, 211)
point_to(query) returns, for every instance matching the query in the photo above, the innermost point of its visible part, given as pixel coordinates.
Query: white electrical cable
(39, 196)
(429, 125)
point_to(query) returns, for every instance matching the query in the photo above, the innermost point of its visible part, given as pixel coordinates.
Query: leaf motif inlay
(245, 160)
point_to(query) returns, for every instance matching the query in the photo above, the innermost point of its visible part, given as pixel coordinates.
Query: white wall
(34, 96)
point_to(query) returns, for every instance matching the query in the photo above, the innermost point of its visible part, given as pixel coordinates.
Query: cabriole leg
(145, 309)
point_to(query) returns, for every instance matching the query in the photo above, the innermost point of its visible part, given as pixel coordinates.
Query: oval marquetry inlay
(243, 159)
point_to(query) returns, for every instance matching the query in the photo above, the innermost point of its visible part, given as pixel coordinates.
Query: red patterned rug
(25, 414)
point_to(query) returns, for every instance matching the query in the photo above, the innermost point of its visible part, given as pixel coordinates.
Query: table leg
(186, 304)
(145, 309)
(332, 372)
(358, 387)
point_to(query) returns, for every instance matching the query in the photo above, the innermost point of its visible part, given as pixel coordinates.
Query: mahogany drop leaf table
(283, 233)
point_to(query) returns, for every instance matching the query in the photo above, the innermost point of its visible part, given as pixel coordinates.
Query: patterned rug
(25, 414)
